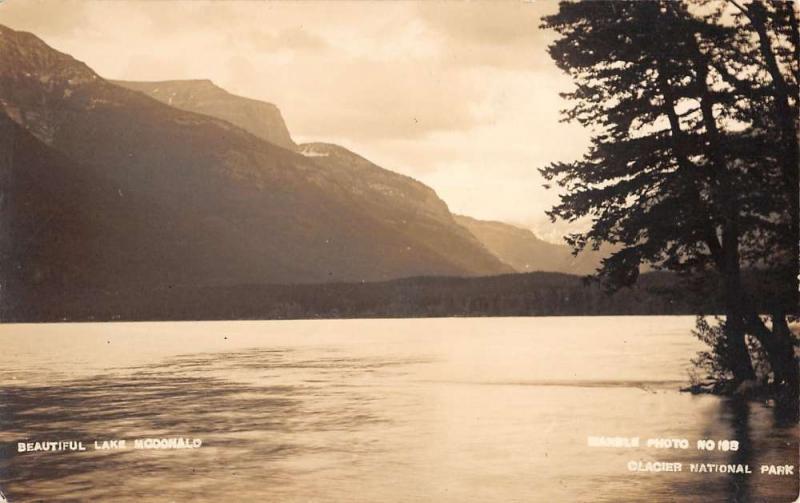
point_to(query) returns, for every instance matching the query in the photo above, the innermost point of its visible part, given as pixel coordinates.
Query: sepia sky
(461, 96)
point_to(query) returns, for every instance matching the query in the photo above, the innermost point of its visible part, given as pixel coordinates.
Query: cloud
(491, 169)
(502, 34)
(496, 24)
(290, 39)
(46, 18)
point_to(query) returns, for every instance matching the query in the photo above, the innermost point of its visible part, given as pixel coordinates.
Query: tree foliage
(693, 161)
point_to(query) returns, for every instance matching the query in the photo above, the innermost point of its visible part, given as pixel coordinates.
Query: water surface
(441, 410)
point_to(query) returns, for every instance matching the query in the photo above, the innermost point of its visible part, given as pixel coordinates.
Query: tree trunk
(739, 356)
(790, 373)
(728, 257)
(786, 120)
(778, 344)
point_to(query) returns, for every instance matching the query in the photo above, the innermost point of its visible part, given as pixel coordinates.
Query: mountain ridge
(228, 207)
(347, 165)
(525, 252)
(381, 188)
(528, 253)
(202, 96)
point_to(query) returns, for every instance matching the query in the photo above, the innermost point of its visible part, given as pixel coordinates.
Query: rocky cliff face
(202, 96)
(162, 196)
(34, 81)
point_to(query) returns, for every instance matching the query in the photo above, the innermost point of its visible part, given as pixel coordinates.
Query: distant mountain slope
(202, 96)
(206, 202)
(409, 207)
(522, 250)
(67, 228)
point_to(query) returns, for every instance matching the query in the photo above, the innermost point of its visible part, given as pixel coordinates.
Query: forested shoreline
(529, 294)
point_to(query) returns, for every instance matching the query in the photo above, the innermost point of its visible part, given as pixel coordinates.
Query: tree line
(528, 294)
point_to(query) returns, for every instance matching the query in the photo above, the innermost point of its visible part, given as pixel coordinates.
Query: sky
(459, 95)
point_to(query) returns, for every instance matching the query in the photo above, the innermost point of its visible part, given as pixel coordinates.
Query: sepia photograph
(400, 251)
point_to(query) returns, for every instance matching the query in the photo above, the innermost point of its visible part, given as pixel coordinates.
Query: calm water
(447, 410)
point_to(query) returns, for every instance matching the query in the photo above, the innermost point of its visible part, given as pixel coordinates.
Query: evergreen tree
(684, 172)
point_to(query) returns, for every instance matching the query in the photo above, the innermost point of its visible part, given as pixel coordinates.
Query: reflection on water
(389, 410)
(248, 428)
(739, 412)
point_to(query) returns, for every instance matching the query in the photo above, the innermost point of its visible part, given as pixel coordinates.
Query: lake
(414, 410)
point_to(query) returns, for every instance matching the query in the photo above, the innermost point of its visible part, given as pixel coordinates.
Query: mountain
(517, 247)
(411, 208)
(147, 195)
(385, 191)
(525, 252)
(202, 96)
(396, 199)
(60, 220)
